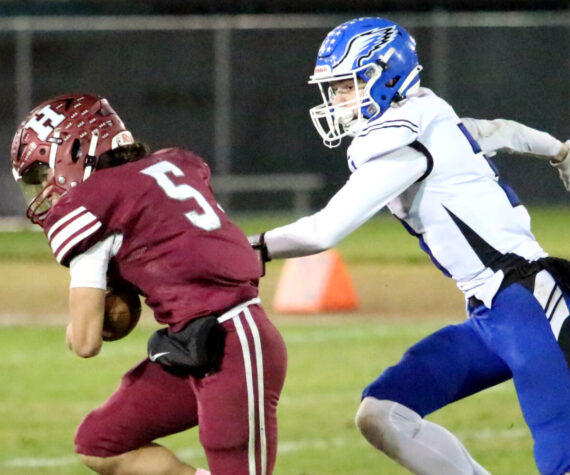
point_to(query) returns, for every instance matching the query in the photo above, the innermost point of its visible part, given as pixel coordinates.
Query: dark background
(514, 64)
(185, 7)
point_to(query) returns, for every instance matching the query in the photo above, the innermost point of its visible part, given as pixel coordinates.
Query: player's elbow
(87, 348)
(87, 351)
(507, 129)
(320, 242)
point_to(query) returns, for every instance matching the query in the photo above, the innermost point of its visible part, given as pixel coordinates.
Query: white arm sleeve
(510, 136)
(90, 268)
(373, 185)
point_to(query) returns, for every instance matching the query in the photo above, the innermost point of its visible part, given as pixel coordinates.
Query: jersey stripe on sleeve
(70, 230)
(63, 220)
(390, 124)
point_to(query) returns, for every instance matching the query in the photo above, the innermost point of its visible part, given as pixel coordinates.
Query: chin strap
(55, 141)
(91, 159)
(402, 91)
(383, 60)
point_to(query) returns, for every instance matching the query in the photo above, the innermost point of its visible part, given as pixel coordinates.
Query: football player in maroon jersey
(115, 215)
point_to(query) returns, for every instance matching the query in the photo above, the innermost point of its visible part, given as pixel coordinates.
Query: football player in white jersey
(412, 153)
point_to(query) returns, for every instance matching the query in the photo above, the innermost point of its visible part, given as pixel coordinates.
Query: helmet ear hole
(75, 146)
(392, 82)
(21, 149)
(68, 103)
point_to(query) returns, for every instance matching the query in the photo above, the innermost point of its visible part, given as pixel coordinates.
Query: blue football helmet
(380, 57)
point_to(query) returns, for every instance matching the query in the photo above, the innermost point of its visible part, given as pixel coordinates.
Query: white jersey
(421, 161)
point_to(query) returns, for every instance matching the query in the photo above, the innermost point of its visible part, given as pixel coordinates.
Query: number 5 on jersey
(207, 220)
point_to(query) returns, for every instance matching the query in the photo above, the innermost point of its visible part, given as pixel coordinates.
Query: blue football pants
(513, 339)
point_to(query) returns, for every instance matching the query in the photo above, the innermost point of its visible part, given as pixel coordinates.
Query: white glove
(563, 166)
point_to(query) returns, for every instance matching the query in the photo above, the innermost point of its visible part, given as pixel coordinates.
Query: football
(122, 313)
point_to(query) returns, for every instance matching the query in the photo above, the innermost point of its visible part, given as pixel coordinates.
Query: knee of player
(367, 417)
(384, 422)
(214, 439)
(88, 443)
(373, 420)
(88, 448)
(83, 437)
(99, 464)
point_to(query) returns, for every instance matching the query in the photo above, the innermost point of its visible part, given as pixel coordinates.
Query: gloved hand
(563, 165)
(257, 241)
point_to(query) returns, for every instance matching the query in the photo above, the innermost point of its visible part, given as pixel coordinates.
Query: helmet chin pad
(344, 116)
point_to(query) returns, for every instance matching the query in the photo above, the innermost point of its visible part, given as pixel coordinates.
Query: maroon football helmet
(57, 145)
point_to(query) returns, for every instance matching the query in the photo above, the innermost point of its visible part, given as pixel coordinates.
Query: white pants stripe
(248, 364)
(260, 389)
(551, 300)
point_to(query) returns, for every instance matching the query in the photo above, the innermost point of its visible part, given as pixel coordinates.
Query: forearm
(369, 189)
(512, 137)
(86, 307)
(306, 236)
(88, 272)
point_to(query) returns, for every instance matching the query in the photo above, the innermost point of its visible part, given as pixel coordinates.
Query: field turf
(45, 391)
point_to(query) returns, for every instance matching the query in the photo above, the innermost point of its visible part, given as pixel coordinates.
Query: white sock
(421, 446)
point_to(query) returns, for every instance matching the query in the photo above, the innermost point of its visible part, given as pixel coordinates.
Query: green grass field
(46, 391)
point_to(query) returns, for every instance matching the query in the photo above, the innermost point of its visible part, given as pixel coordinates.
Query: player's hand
(254, 239)
(562, 163)
(257, 241)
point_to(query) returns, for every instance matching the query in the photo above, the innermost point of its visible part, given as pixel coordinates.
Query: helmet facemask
(38, 182)
(335, 121)
(39, 190)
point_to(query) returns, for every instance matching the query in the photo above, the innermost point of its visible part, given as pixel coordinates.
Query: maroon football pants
(234, 408)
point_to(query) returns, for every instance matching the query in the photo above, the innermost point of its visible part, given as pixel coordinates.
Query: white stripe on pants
(235, 315)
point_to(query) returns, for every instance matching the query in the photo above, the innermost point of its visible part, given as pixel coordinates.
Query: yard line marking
(518, 433)
(285, 447)
(42, 462)
(352, 396)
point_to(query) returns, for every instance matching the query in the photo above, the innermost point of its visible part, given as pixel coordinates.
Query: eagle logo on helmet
(363, 46)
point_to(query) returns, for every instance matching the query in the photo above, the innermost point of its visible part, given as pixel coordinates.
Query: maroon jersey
(178, 246)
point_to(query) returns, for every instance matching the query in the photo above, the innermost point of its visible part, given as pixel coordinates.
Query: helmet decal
(364, 45)
(323, 69)
(44, 122)
(122, 138)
